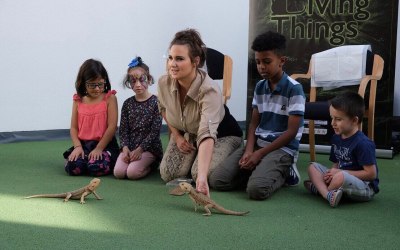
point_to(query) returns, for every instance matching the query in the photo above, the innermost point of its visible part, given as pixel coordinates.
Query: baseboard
(55, 134)
(323, 149)
(38, 135)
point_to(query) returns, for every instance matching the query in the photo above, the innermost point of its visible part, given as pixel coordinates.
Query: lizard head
(186, 187)
(94, 183)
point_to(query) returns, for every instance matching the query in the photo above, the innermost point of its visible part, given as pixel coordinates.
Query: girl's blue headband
(137, 61)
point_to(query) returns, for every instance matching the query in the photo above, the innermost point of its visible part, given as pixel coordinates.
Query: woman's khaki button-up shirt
(202, 110)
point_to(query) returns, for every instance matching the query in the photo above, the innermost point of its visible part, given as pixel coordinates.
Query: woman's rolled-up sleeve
(211, 112)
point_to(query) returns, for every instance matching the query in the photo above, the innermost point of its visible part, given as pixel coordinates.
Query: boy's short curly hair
(269, 41)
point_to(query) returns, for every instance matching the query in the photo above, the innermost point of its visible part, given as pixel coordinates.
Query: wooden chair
(219, 67)
(372, 78)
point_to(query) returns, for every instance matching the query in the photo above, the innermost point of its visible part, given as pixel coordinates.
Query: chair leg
(311, 139)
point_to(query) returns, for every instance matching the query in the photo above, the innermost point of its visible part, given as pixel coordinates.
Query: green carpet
(141, 214)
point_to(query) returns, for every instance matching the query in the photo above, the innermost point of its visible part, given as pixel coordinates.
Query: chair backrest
(340, 66)
(219, 67)
(373, 78)
(374, 73)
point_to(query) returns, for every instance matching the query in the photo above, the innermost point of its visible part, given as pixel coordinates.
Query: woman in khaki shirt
(203, 132)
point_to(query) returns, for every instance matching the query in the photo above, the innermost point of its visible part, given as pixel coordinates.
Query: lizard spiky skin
(76, 194)
(205, 201)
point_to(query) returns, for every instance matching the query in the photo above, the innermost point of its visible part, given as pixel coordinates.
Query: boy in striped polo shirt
(266, 162)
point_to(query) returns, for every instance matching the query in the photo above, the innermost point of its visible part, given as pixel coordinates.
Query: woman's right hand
(78, 151)
(183, 145)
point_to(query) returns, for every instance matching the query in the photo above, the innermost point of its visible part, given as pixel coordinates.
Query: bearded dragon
(76, 194)
(205, 201)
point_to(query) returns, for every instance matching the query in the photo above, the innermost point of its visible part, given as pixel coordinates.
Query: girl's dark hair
(137, 62)
(269, 41)
(192, 39)
(89, 70)
(350, 103)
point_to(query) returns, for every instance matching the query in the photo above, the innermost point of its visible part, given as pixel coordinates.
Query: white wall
(43, 43)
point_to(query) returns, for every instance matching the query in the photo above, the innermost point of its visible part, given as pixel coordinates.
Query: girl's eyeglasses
(92, 85)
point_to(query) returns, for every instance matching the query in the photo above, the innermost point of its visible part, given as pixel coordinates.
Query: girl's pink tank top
(92, 118)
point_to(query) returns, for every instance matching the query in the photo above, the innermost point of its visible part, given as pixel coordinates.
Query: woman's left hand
(183, 145)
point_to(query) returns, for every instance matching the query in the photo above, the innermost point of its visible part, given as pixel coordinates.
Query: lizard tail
(46, 196)
(230, 212)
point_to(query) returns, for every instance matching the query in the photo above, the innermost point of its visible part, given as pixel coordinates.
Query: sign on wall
(312, 26)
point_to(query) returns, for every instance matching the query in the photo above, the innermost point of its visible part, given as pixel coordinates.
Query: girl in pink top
(93, 123)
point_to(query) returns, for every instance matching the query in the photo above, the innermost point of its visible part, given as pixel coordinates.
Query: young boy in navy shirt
(354, 173)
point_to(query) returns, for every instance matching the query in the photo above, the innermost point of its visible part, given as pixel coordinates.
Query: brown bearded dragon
(203, 200)
(76, 194)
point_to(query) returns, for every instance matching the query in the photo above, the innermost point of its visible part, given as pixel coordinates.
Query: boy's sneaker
(334, 197)
(294, 177)
(310, 187)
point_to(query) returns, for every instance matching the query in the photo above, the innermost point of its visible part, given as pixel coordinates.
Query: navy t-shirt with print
(353, 153)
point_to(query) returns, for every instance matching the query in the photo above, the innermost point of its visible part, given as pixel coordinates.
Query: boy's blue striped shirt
(275, 107)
